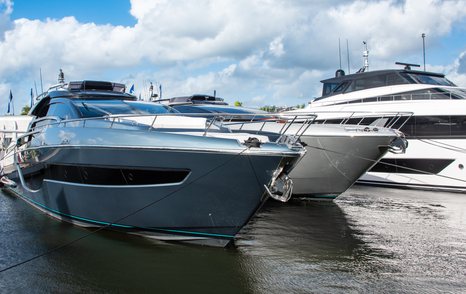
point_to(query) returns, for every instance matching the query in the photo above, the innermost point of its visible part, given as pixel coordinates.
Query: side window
(60, 110)
(42, 109)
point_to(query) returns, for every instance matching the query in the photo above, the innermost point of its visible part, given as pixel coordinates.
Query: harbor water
(372, 240)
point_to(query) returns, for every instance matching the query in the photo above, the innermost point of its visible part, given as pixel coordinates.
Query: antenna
(35, 86)
(365, 55)
(424, 49)
(339, 51)
(407, 66)
(151, 91)
(41, 84)
(61, 77)
(347, 55)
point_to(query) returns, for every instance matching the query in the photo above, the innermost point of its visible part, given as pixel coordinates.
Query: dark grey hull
(332, 164)
(209, 204)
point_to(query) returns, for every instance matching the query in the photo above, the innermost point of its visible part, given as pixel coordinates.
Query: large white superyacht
(436, 132)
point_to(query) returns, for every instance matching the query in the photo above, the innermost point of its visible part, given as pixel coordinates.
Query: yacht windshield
(238, 113)
(430, 80)
(98, 108)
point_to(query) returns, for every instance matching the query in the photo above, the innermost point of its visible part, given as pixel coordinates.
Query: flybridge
(342, 84)
(194, 99)
(87, 89)
(96, 86)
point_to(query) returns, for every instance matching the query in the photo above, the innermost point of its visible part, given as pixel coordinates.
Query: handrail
(395, 119)
(214, 122)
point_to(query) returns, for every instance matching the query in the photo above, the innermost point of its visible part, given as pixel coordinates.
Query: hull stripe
(120, 225)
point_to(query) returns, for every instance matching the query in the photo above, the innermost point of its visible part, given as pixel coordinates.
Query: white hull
(426, 148)
(450, 178)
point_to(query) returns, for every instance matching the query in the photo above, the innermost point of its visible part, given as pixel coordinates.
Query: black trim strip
(114, 176)
(411, 166)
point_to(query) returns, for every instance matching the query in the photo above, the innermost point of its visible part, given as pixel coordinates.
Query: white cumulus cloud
(244, 49)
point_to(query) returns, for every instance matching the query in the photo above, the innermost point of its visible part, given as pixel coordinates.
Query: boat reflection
(301, 244)
(105, 262)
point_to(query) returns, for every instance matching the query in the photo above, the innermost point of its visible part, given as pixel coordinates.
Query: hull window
(411, 166)
(437, 127)
(93, 175)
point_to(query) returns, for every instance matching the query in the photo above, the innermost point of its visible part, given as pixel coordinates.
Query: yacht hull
(331, 165)
(435, 158)
(197, 196)
(428, 164)
(336, 156)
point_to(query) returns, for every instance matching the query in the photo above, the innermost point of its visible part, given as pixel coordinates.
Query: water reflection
(107, 261)
(301, 246)
(370, 240)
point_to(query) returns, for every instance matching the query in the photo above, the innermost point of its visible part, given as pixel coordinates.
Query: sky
(258, 52)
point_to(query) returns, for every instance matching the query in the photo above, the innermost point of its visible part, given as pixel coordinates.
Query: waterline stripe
(124, 226)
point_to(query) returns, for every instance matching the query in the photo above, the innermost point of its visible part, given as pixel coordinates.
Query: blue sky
(115, 12)
(260, 52)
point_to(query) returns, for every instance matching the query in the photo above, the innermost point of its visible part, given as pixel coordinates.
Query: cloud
(462, 63)
(457, 71)
(244, 49)
(6, 7)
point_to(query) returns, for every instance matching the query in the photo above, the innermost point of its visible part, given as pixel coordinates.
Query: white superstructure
(436, 153)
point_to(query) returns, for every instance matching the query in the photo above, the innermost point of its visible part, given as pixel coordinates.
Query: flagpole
(41, 84)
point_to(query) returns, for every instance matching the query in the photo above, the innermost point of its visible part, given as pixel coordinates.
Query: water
(369, 240)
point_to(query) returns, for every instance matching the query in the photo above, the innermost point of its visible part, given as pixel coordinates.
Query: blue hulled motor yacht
(94, 156)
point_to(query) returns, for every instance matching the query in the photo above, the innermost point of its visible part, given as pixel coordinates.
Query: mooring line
(122, 218)
(389, 164)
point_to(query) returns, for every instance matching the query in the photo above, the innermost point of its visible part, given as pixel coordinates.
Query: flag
(9, 102)
(32, 98)
(131, 90)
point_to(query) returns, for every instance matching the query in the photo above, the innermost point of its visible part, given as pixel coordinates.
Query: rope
(389, 164)
(209, 172)
(122, 218)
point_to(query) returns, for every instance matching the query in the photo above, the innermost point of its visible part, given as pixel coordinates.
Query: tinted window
(150, 108)
(395, 79)
(60, 110)
(435, 126)
(237, 113)
(190, 109)
(431, 80)
(432, 125)
(98, 108)
(419, 126)
(328, 88)
(376, 81)
(458, 125)
(341, 87)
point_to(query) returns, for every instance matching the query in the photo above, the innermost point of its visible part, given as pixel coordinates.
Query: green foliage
(25, 110)
(271, 108)
(238, 103)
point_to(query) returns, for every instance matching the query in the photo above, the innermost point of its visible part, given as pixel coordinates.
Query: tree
(25, 110)
(237, 103)
(268, 108)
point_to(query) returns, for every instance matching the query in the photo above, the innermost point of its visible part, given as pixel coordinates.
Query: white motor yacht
(436, 131)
